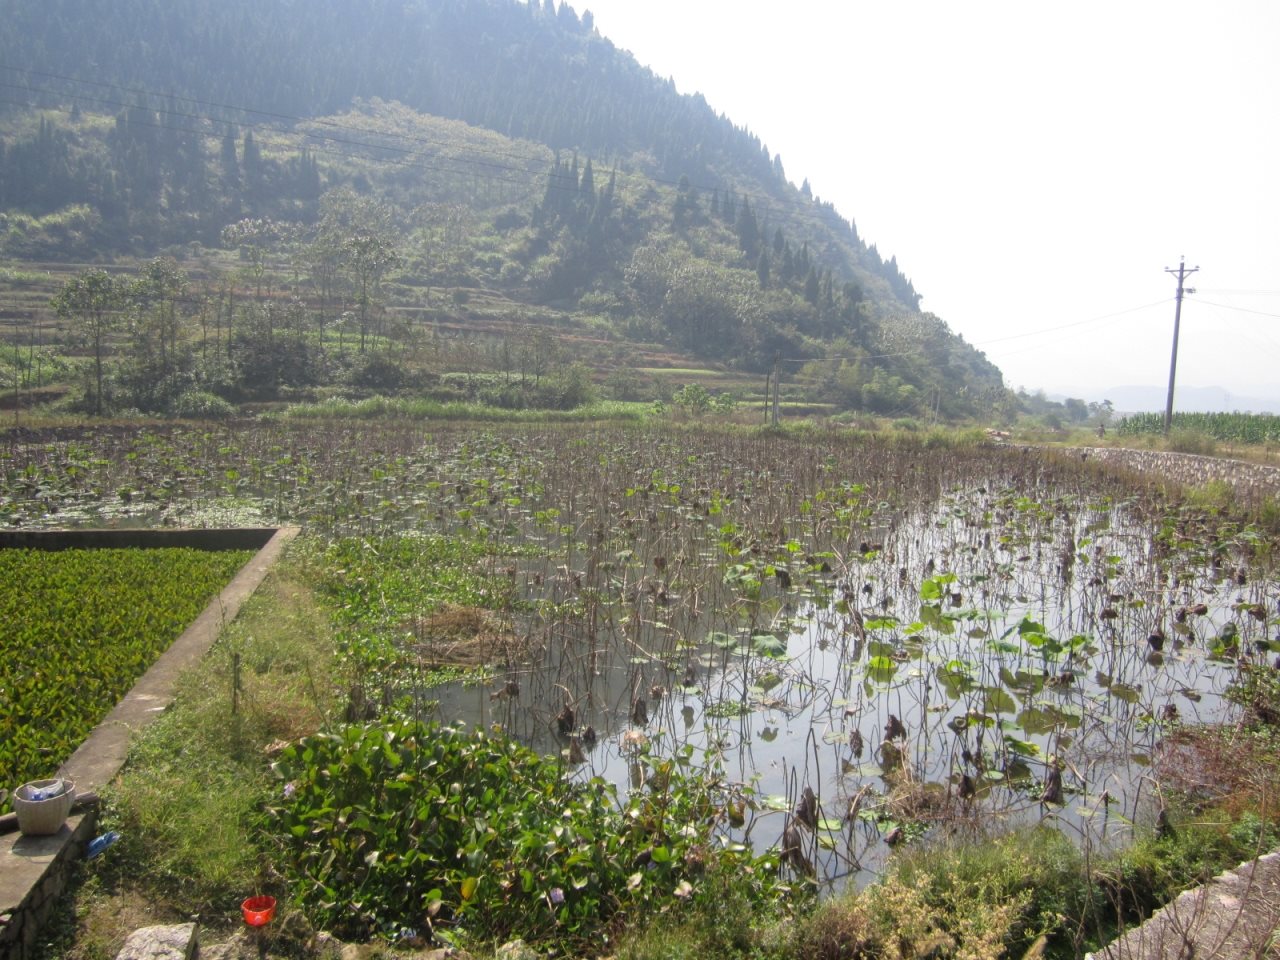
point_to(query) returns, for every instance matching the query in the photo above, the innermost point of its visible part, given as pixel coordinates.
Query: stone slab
(25, 860)
(174, 942)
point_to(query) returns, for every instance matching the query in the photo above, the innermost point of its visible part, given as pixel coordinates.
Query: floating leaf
(727, 709)
(881, 669)
(1125, 692)
(995, 700)
(769, 645)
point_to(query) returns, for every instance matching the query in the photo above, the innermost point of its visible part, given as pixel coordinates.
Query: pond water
(987, 660)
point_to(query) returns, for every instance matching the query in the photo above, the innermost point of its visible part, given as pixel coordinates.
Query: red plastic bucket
(258, 911)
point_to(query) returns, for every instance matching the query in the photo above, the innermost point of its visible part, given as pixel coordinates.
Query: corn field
(1227, 427)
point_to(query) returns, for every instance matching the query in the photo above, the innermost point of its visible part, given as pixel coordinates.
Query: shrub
(1192, 441)
(378, 371)
(692, 398)
(201, 405)
(968, 899)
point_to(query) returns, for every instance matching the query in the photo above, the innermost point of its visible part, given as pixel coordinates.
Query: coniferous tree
(748, 231)
(811, 287)
(230, 163)
(253, 173)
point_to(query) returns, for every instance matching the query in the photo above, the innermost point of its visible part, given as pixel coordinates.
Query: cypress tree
(252, 166)
(811, 287)
(230, 164)
(748, 231)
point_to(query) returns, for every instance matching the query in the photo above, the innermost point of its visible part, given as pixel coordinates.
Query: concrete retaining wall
(1251, 481)
(38, 869)
(1234, 917)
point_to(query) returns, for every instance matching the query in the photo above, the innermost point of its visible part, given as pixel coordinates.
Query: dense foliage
(401, 825)
(77, 628)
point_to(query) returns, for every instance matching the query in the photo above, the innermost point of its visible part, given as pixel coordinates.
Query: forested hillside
(487, 147)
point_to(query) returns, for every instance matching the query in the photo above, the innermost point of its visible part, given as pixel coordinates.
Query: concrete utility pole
(777, 362)
(1181, 273)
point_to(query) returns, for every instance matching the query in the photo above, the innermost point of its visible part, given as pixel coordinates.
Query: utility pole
(777, 361)
(1181, 273)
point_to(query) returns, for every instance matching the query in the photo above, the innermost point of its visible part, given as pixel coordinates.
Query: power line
(1224, 306)
(1245, 293)
(1067, 326)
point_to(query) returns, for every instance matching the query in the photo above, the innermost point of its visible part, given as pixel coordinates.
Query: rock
(445, 953)
(324, 945)
(516, 950)
(174, 942)
(237, 948)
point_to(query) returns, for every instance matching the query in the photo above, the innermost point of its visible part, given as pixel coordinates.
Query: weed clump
(965, 900)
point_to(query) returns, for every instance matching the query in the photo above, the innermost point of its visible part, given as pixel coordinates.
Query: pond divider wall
(35, 870)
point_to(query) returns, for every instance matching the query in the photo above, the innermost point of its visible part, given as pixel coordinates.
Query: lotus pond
(875, 639)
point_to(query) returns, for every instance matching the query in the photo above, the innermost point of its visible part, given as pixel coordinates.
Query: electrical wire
(1225, 306)
(1075, 323)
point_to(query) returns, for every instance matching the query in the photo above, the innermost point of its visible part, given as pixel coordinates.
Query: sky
(1033, 166)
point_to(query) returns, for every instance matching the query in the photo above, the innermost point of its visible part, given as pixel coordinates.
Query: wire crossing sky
(1033, 167)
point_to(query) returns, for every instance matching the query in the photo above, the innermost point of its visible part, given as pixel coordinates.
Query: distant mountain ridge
(1133, 398)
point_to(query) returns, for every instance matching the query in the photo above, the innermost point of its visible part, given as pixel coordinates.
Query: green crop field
(1248, 428)
(77, 628)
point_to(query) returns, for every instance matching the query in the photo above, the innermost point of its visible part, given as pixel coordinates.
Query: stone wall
(1253, 482)
(34, 872)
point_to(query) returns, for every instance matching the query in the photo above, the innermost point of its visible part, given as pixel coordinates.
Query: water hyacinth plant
(468, 834)
(77, 628)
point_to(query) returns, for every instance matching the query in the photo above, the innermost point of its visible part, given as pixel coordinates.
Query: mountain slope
(157, 124)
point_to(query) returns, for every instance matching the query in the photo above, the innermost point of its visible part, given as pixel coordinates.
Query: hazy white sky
(1032, 165)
